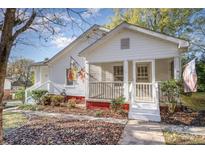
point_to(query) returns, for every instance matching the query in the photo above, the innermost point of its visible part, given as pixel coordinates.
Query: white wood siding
(44, 73)
(37, 74)
(163, 69)
(141, 47)
(57, 69)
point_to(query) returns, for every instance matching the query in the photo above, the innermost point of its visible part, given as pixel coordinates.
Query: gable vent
(125, 43)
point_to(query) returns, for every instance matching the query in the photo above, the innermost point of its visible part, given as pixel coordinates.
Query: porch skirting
(103, 105)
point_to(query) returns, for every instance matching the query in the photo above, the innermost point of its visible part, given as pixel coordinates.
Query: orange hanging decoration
(69, 75)
(73, 73)
(82, 74)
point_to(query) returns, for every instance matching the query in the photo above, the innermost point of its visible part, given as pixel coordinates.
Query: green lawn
(196, 101)
(186, 139)
(12, 120)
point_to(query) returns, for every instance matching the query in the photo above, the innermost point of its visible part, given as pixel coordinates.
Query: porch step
(145, 111)
(145, 116)
(147, 105)
(150, 111)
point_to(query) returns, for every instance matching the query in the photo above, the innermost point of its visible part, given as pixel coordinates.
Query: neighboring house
(7, 89)
(127, 61)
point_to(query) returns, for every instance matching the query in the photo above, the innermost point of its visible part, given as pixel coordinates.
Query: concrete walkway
(70, 116)
(141, 132)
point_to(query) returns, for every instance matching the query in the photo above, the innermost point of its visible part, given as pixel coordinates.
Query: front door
(143, 72)
(144, 86)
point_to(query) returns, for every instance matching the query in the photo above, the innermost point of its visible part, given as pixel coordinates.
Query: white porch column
(87, 79)
(154, 88)
(176, 68)
(125, 76)
(134, 80)
(153, 71)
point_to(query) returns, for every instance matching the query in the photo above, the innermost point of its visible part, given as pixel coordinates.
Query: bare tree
(14, 23)
(18, 70)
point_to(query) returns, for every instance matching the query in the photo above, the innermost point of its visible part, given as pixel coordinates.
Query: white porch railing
(48, 85)
(141, 92)
(106, 90)
(145, 92)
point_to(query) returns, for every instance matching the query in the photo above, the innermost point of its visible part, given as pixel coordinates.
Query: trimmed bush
(56, 100)
(46, 100)
(72, 103)
(37, 95)
(171, 90)
(117, 103)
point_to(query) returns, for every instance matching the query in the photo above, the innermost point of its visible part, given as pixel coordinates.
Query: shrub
(117, 103)
(171, 90)
(72, 103)
(56, 100)
(37, 95)
(46, 100)
(20, 94)
(98, 113)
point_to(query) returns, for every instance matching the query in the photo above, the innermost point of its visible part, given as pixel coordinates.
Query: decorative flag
(190, 77)
(76, 71)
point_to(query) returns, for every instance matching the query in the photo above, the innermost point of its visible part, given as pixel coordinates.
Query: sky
(38, 49)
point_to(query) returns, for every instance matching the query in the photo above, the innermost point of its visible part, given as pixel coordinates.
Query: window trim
(118, 75)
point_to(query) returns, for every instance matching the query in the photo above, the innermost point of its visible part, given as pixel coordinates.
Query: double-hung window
(118, 73)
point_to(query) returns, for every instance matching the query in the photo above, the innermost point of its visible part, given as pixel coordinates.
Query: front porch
(136, 80)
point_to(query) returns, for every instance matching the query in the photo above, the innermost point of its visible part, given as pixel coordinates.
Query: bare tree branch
(26, 26)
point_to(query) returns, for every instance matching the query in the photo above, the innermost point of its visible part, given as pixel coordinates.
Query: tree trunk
(5, 48)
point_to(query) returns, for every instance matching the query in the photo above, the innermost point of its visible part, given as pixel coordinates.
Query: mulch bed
(55, 131)
(183, 117)
(83, 111)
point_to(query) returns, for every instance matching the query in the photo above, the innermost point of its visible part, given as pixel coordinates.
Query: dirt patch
(56, 131)
(82, 111)
(183, 117)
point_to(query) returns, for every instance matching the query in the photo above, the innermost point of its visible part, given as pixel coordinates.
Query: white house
(127, 61)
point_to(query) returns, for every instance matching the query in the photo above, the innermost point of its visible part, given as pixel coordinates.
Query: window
(118, 73)
(125, 43)
(142, 73)
(68, 82)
